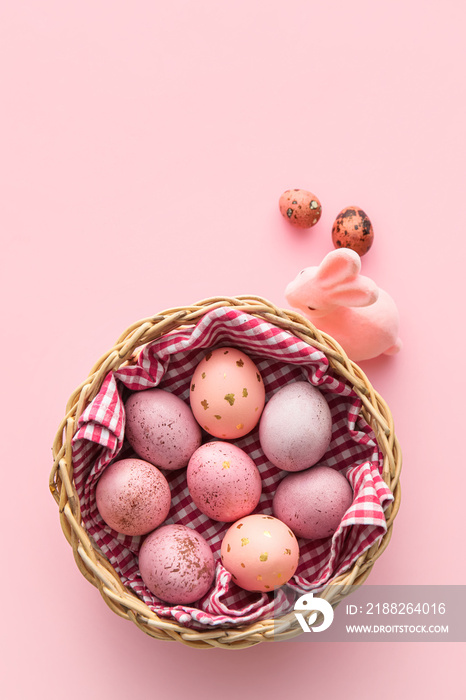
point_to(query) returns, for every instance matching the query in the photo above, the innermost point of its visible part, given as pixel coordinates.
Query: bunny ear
(361, 292)
(338, 267)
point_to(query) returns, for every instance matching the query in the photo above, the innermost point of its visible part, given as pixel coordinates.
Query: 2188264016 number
(405, 608)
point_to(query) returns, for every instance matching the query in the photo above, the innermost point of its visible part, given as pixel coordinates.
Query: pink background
(143, 150)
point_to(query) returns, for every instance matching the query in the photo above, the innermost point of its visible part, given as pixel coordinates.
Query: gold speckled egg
(260, 552)
(227, 393)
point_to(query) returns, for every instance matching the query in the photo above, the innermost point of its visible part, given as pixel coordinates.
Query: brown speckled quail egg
(300, 207)
(353, 229)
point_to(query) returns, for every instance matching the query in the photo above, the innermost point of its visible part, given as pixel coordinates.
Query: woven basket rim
(96, 568)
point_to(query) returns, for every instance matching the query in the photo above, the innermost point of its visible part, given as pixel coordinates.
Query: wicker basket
(96, 569)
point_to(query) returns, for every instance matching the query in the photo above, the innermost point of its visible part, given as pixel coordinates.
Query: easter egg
(353, 229)
(227, 393)
(296, 427)
(300, 207)
(313, 503)
(176, 564)
(161, 428)
(223, 481)
(260, 552)
(133, 496)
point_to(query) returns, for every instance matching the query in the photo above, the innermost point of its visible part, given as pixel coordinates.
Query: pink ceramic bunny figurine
(347, 306)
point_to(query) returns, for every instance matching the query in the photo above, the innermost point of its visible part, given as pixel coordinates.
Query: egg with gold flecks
(227, 393)
(223, 481)
(260, 552)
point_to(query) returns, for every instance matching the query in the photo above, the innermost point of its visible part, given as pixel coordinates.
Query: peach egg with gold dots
(260, 552)
(227, 394)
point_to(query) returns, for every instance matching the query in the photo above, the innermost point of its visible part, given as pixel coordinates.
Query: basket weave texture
(96, 568)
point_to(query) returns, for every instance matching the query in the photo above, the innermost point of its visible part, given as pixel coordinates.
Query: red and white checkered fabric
(281, 358)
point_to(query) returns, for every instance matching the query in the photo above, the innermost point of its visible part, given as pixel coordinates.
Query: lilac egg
(161, 428)
(133, 496)
(223, 481)
(313, 503)
(295, 429)
(176, 564)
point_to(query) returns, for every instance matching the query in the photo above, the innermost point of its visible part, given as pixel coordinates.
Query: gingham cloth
(281, 358)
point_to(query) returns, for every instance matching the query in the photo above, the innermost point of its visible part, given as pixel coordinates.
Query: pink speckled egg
(227, 393)
(260, 552)
(312, 503)
(300, 207)
(161, 428)
(133, 496)
(176, 564)
(223, 481)
(296, 427)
